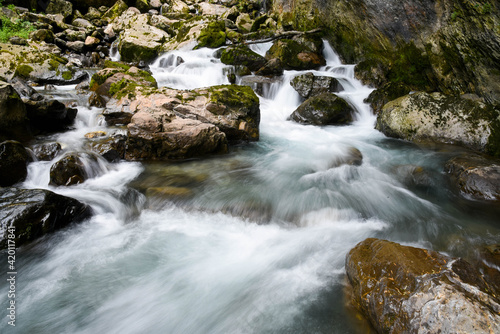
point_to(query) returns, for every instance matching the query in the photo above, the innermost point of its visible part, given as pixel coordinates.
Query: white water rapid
(259, 244)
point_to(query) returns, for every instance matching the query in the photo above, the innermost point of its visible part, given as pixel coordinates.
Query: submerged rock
(404, 289)
(36, 212)
(444, 119)
(13, 163)
(475, 176)
(323, 109)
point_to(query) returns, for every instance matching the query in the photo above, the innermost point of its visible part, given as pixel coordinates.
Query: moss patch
(233, 96)
(213, 36)
(23, 71)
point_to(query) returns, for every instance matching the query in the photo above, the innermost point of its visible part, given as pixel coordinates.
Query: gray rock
(439, 118)
(308, 85)
(49, 115)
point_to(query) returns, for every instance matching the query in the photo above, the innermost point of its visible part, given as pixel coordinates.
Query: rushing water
(254, 241)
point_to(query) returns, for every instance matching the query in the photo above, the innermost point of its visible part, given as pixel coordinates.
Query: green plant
(15, 27)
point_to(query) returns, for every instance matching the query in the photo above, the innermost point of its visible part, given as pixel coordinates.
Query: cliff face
(447, 46)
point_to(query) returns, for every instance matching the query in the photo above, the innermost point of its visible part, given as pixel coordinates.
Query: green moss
(23, 71)
(233, 95)
(67, 75)
(99, 78)
(213, 36)
(114, 64)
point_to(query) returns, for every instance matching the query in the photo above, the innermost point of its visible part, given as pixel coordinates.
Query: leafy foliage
(13, 27)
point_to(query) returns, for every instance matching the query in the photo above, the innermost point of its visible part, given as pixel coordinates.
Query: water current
(253, 241)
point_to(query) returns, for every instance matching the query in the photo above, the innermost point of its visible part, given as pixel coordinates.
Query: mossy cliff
(447, 46)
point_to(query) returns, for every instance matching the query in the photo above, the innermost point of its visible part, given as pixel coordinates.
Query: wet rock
(414, 176)
(110, 148)
(49, 115)
(403, 289)
(387, 93)
(169, 193)
(308, 85)
(475, 176)
(69, 170)
(272, 67)
(489, 264)
(115, 116)
(294, 55)
(25, 90)
(353, 157)
(259, 84)
(47, 151)
(36, 212)
(13, 118)
(13, 163)
(91, 42)
(323, 109)
(242, 55)
(440, 118)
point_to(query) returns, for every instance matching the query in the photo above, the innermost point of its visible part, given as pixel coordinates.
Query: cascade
(259, 244)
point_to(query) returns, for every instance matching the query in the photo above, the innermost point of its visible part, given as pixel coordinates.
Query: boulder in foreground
(403, 289)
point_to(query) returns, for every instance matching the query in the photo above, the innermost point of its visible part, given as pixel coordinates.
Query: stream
(255, 241)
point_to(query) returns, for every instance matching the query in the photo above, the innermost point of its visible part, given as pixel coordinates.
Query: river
(256, 240)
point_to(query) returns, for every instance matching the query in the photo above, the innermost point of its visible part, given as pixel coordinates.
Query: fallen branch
(285, 34)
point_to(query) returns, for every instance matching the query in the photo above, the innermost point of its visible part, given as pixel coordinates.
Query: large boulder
(242, 55)
(475, 176)
(148, 139)
(295, 55)
(13, 163)
(13, 119)
(32, 213)
(444, 119)
(323, 109)
(141, 41)
(403, 289)
(308, 85)
(42, 67)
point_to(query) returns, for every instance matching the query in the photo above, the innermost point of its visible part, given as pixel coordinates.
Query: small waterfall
(114, 54)
(256, 244)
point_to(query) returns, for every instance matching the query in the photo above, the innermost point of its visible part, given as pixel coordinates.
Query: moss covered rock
(294, 55)
(242, 55)
(213, 35)
(403, 289)
(141, 41)
(445, 119)
(323, 109)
